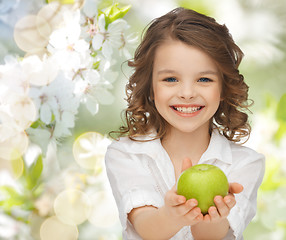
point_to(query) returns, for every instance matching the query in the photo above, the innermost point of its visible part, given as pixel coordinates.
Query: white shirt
(140, 174)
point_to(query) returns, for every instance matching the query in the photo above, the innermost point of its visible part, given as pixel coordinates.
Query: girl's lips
(187, 110)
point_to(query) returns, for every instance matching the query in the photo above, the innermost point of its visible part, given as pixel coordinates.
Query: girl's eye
(170, 79)
(204, 80)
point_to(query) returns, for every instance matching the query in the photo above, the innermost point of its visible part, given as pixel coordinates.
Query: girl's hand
(223, 205)
(176, 206)
(182, 211)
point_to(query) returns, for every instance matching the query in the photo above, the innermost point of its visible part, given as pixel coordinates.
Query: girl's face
(186, 85)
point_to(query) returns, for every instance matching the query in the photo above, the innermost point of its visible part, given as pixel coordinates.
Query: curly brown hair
(205, 33)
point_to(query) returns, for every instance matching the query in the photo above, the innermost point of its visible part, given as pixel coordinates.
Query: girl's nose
(187, 91)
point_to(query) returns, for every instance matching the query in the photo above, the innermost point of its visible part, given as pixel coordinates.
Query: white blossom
(12, 77)
(109, 38)
(17, 110)
(69, 50)
(128, 42)
(92, 85)
(40, 98)
(56, 102)
(40, 72)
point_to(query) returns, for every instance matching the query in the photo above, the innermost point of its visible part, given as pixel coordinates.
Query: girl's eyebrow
(209, 72)
(166, 71)
(163, 71)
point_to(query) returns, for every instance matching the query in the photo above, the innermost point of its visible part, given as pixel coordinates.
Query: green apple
(203, 182)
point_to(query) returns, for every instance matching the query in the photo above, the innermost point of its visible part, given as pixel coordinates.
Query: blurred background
(55, 186)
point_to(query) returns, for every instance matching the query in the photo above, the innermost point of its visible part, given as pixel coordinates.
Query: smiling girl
(186, 102)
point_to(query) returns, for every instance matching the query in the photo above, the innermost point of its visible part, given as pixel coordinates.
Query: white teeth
(187, 109)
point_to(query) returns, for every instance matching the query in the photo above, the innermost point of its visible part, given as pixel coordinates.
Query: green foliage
(273, 178)
(61, 1)
(38, 123)
(281, 118)
(113, 13)
(270, 102)
(96, 65)
(33, 173)
(202, 6)
(269, 218)
(30, 185)
(13, 198)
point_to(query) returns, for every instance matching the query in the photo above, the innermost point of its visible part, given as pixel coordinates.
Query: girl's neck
(180, 145)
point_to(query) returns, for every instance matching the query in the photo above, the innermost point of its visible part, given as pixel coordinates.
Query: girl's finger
(194, 214)
(213, 213)
(192, 203)
(222, 207)
(230, 201)
(173, 199)
(235, 188)
(207, 218)
(189, 206)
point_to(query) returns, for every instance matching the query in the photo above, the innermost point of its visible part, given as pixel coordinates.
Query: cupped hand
(223, 204)
(185, 211)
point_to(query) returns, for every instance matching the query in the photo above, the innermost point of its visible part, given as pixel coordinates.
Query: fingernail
(193, 204)
(218, 200)
(213, 211)
(227, 200)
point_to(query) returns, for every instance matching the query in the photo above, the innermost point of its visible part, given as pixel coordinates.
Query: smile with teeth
(187, 109)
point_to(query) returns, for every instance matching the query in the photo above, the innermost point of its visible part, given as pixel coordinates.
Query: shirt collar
(144, 145)
(219, 147)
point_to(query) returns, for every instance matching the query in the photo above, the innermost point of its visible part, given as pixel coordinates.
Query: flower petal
(97, 41)
(93, 76)
(101, 23)
(107, 50)
(92, 105)
(117, 26)
(46, 113)
(81, 46)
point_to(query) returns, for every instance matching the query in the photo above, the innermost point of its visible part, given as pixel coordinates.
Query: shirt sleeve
(132, 185)
(250, 176)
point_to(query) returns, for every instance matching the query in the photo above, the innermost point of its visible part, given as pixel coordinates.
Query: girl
(185, 106)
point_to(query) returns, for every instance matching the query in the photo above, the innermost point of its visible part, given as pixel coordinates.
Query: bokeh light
(23, 110)
(89, 150)
(54, 229)
(15, 145)
(53, 16)
(72, 206)
(104, 212)
(30, 33)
